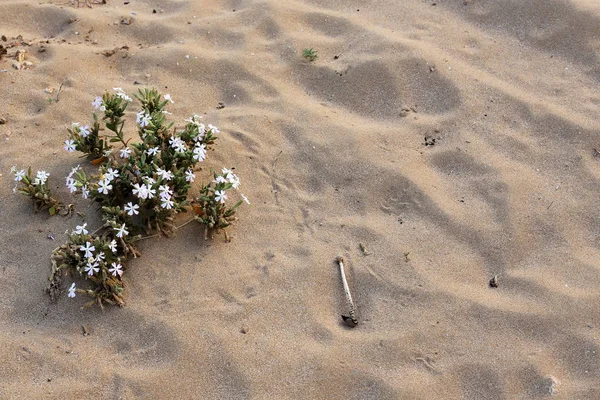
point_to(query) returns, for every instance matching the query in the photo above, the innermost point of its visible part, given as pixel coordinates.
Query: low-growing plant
(139, 187)
(38, 191)
(310, 54)
(210, 205)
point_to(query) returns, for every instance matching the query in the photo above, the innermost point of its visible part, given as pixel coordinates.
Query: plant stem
(185, 223)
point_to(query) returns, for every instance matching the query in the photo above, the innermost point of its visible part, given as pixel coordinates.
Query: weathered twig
(350, 320)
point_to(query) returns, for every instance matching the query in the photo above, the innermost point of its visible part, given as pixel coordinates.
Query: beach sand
(455, 140)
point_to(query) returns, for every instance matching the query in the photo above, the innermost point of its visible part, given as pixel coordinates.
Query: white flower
(228, 173)
(201, 128)
(143, 119)
(104, 187)
(91, 268)
(213, 129)
(165, 192)
(200, 152)
(167, 203)
(168, 98)
(140, 191)
(124, 153)
(121, 232)
(85, 131)
(232, 178)
(71, 185)
(113, 246)
(220, 196)
(167, 175)
(111, 174)
(85, 192)
(69, 145)
(72, 290)
(98, 104)
(80, 230)
(100, 256)
(122, 94)
(41, 178)
(178, 144)
(152, 151)
(220, 179)
(73, 171)
(201, 132)
(193, 119)
(19, 175)
(245, 199)
(189, 176)
(132, 208)
(88, 248)
(150, 192)
(117, 269)
(107, 152)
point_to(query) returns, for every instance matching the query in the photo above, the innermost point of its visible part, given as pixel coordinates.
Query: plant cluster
(310, 54)
(139, 187)
(38, 191)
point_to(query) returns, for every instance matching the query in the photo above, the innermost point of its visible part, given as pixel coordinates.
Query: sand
(453, 139)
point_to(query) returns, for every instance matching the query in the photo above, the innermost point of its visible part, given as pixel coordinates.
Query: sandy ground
(453, 139)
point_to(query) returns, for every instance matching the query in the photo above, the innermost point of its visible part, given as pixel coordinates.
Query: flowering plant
(210, 205)
(139, 186)
(39, 191)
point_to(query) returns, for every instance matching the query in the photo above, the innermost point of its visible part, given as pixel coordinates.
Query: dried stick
(350, 320)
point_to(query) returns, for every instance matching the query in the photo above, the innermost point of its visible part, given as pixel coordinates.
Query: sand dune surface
(455, 140)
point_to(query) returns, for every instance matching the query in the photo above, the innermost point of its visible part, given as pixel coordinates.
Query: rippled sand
(332, 154)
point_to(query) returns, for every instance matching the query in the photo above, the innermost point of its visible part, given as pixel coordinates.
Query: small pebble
(494, 282)
(550, 384)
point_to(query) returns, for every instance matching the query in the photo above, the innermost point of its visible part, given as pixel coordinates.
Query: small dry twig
(364, 249)
(350, 320)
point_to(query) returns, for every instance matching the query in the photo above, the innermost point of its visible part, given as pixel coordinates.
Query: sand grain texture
(332, 154)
